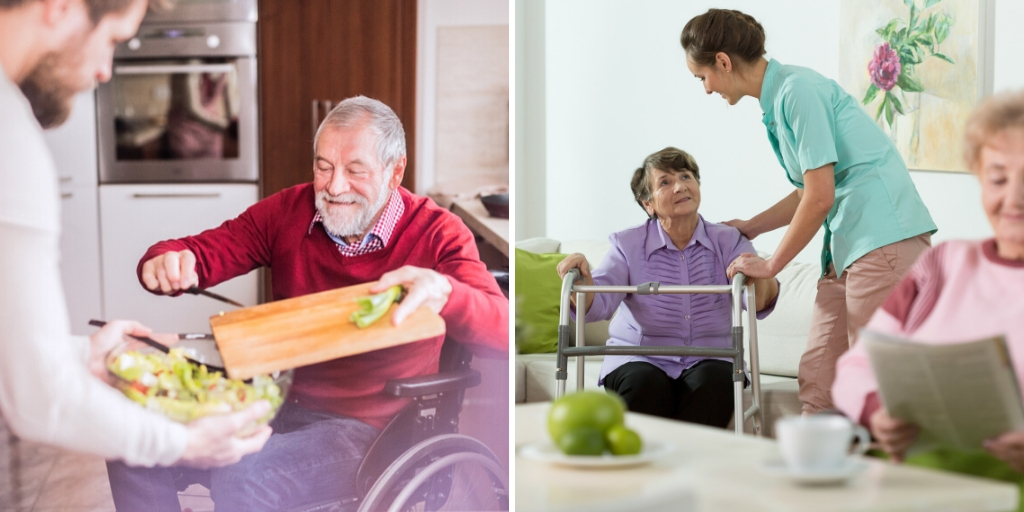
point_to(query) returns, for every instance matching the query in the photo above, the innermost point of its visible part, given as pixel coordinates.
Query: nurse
(849, 178)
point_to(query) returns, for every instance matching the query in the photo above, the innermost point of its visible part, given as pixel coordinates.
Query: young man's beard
(48, 87)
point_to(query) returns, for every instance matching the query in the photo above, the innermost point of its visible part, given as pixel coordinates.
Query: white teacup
(818, 442)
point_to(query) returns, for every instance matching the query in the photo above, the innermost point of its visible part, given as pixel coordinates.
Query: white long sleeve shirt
(47, 393)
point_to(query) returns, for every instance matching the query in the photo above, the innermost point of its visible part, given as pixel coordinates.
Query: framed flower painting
(918, 67)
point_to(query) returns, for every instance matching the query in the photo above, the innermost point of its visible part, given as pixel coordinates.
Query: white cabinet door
(80, 257)
(73, 144)
(134, 217)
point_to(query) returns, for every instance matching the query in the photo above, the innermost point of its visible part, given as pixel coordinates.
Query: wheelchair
(420, 462)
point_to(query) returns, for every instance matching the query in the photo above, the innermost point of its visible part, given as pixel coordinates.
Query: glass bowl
(184, 391)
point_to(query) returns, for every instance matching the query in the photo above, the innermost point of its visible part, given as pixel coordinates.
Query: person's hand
(575, 260)
(213, 440)
(1008, 447)
(170, 272)
(423, 287)
(109, 336)
(744, 227)
(752, 266)
(893, 435)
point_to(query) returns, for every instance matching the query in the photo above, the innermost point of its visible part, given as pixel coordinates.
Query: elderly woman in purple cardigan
(675, 246)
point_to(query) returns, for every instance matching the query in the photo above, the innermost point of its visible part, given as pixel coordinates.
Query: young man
(52, 387)
(353, 224)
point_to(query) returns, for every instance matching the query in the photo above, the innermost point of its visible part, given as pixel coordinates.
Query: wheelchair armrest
(432, 384)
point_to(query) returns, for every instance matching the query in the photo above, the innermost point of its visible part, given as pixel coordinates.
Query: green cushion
(537, 297)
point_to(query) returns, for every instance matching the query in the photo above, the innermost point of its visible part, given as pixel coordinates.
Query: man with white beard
(353, 224)
(54, 387)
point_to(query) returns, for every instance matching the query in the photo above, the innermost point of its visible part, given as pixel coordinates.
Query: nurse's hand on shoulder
(170, 272)
(423, 287)
(751, 265)
(743, 226)
(1008, 447)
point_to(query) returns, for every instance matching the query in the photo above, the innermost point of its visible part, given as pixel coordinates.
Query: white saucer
(852, 467)
(546, 452)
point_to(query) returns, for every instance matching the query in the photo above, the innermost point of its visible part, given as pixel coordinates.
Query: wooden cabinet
(312, 52)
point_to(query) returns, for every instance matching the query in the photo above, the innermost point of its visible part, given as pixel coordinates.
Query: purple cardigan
(645, 253)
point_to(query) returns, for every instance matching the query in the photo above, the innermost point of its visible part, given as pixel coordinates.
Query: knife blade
(196, 291)
(165, 349)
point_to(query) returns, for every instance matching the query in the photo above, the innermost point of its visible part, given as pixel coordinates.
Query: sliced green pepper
(373, 307)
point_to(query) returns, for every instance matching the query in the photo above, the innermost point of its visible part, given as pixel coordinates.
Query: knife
(163, 348)
(196, 291)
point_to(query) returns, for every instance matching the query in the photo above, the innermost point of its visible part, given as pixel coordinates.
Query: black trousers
(702, 394)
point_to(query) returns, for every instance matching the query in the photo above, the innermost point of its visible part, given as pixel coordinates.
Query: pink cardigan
(957, 291)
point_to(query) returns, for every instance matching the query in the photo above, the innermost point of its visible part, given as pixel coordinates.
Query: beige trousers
(842, 307)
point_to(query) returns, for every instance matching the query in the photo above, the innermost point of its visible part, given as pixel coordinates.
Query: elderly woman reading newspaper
(959, 291)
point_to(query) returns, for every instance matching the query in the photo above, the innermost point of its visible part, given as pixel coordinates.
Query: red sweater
(276, 233)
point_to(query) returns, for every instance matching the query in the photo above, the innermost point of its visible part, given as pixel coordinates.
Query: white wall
(432, 15)
(613, 87)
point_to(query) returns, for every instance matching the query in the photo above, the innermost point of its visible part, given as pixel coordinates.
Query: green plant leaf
(881, 107)
(929, 3)
(901, 36)
(927, 39)
(896, 103)
(907, 82)
(930, 24)
(909, 3)
(943, 57)
(913, 16)
(942, 29)
(869, 96)
(888, 110)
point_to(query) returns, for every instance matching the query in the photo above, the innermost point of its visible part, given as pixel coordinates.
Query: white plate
(851, 468)
(547, 452)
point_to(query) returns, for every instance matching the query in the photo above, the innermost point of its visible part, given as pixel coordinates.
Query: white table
(492, 229)
(721, 471)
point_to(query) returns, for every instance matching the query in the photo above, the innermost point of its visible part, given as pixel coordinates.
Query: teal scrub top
(813, 122)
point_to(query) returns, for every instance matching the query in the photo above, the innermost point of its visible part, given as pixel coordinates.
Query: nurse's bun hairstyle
(722, 30)
(995, 114)
(671, 160)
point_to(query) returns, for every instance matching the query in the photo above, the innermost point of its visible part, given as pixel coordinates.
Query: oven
(181, 104)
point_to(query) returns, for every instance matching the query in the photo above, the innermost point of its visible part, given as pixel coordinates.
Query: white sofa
(781, 338)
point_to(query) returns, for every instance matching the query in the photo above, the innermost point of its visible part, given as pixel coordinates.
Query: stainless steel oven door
(179, 119)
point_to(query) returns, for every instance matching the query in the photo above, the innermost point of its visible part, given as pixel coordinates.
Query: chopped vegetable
(183, 391)
(373, 307)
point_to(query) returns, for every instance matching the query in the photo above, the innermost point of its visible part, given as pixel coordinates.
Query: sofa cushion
(537, 301)
(538, 245)
(782, 336)
(520, 380)
(540, 375)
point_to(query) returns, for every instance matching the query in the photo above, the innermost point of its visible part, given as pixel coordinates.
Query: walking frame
(735, 290)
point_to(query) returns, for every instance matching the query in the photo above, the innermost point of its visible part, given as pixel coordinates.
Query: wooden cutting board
(310, 329)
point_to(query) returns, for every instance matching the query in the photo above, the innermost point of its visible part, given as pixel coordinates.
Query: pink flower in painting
(884, 67)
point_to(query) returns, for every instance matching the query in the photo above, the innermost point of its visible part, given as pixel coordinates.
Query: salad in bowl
(184, 391)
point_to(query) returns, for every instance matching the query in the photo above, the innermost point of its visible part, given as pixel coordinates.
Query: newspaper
(959, 394)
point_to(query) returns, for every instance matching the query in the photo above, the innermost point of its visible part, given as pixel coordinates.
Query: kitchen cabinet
(73, 146)
(134, 217)
(315, 53)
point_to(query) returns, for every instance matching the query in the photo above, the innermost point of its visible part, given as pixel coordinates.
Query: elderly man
(353, 224)
(51, 383)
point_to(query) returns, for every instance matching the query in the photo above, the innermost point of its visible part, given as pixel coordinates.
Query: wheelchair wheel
(447, 472)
